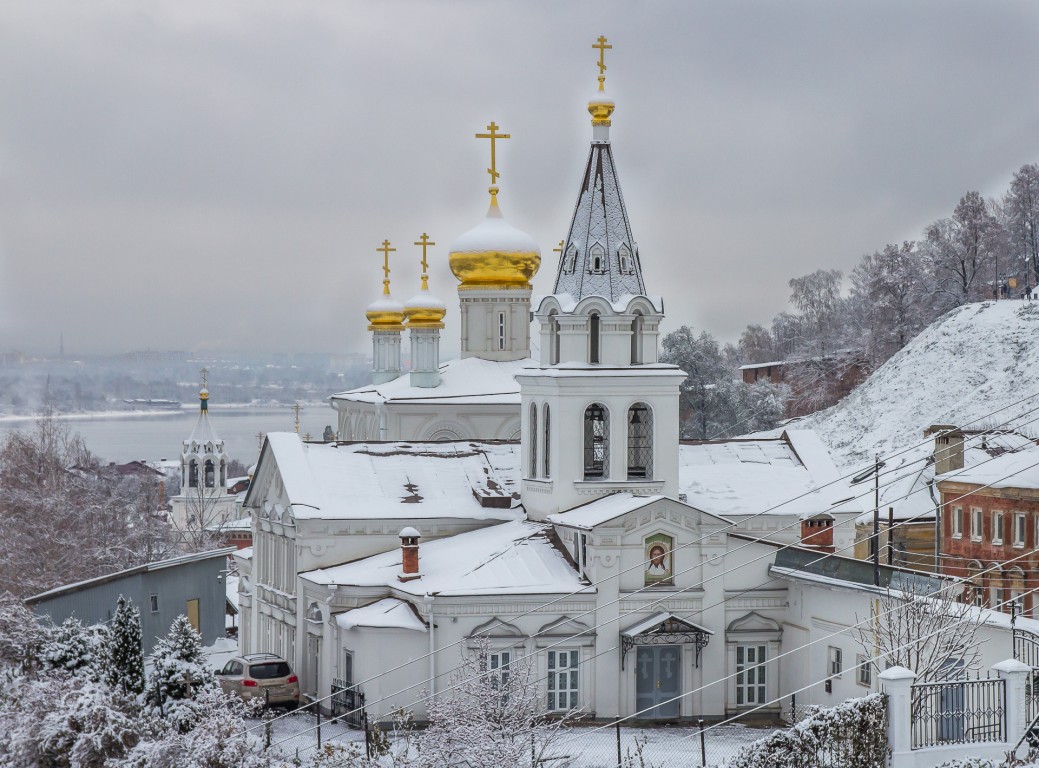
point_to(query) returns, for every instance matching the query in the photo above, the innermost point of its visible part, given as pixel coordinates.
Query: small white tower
(203, 504)
(600, 415)
(425, 314)
(494, 263)
(385, 321)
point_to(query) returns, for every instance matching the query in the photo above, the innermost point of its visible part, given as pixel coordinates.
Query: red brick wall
(957, 553)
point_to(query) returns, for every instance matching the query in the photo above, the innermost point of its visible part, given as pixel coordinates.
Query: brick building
(990, 528)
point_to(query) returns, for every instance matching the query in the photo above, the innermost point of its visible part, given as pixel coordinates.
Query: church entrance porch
(658, 682)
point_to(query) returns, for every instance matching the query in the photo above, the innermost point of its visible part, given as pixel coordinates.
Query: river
(126, 435)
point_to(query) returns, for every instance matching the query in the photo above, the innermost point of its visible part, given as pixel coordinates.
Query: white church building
(548, 506)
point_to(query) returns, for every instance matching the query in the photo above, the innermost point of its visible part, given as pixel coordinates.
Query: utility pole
(876, 520)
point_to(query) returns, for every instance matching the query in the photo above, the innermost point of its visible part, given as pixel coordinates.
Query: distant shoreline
(185, 409)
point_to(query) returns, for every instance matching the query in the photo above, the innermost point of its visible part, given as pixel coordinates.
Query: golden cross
(602, 47)
(297, 408)
(493, 135)
(425, 242)
(204, 373)
(559, 249)
(259, 440)
(385, 251)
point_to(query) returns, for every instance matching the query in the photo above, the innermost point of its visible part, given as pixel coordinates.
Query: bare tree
(929, 632)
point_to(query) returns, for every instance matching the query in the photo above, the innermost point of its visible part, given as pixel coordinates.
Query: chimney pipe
(817, 532)
(409, 554)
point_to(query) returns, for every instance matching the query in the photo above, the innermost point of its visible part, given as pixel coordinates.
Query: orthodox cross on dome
(424, 242)
(297, 408)
(259, 440)
(493, 135)
(559, 249)
(204, 372)
(602, 47)
(203, 395)
(385, 251)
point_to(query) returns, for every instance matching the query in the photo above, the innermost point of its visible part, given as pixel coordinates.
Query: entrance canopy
(664, 628)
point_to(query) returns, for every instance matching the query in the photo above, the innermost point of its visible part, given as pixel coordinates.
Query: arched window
(571, 259)
(624, 257)
(596, 442)
(593, 338)
(193, 474)
(209, 473)
(1016, 586)
(533, 440)
(636, 339)
(548, 442)
(598, 263)
(640, 442)
(223, 473)
(553, 338)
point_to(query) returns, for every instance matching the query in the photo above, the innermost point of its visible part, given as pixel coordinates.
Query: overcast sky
(217, 176)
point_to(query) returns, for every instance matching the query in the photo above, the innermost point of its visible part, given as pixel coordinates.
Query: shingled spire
(600, 256)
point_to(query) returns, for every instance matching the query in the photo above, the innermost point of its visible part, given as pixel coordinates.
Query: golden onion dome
(494, 254)
(600, 106)
(424, 310)
(385, 313)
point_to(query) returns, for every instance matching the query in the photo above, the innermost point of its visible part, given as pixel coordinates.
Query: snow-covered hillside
(973, 361)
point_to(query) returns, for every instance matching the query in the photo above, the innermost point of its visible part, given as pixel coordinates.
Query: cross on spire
(297, 408)
(602, 47)
(205, 373)
(493, 135)
(558, 249)
(425, 242)
(385, 251)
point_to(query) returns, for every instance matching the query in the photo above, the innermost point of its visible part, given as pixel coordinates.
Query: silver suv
(260, 676)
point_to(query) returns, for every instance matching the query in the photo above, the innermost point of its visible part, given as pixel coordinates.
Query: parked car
(261, 676)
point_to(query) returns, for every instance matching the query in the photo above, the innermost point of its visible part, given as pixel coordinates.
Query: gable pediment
(497, 628)
(565, 627)
(752, 622)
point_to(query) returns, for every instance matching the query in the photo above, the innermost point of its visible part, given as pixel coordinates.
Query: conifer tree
(122, 654)
(180, 666)
(71, 647)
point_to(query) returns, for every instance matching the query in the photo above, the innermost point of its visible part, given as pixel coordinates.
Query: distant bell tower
(494, 263)
(600, 415)
(203, 504)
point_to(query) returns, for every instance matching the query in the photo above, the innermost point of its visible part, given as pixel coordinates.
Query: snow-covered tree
(756, 345)
(72, 647)
(963, 248)
(818, 299)
(928, 631)
(491, 717)
(1021, 210)
(121, 649)
(22, 637)
(179, 666)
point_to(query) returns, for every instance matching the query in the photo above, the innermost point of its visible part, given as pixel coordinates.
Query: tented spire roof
(599, 256)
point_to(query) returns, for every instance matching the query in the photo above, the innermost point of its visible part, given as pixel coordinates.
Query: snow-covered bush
(121, 655)
(72, 648)
(60, 720)
(851, 733)
(21, 635)
(180, 669)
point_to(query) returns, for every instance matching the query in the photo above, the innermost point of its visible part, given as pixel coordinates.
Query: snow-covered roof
(459, 479)
(659, 618)
(515, 558)
(471, 379)
(202, 433)
(603, 510)
(494, 233)
(620, 305)
(752, 366)
(969, 368)
(788, 475)
(388, 613)
(572, 369)
(1008, 470)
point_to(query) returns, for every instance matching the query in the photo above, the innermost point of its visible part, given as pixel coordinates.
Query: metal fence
(347, 703)
(958, 712)
(1026, 650)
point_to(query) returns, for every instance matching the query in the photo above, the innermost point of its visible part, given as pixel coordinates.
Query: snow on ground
(589, 746)
(975, 360)
(221, 652)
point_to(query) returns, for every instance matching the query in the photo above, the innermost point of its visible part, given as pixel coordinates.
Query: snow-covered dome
(424, 310)
(601, 106)
(385, 311)
(494, 254)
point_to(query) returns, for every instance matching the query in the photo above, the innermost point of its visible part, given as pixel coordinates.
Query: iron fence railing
(958, 712)
(347, 703)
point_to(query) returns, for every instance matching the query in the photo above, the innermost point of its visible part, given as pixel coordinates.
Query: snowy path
(588, 747)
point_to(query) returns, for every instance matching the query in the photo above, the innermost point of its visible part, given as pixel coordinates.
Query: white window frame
(751, 674)
(501, 331)
(863, 671)
(1020, 532)
(500, 660)
(977, 525)
(834, 661)
(153, 602)
(957, 522)
(998, 527)
(564, 682)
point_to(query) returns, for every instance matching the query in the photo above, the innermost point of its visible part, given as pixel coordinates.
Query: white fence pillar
(897, 683)
(1016, 674)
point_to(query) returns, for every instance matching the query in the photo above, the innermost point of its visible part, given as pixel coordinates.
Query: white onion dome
(424, 310)
(385, 313)
(494, 254)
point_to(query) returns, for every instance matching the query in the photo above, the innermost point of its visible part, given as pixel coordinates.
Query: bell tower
(600, 414)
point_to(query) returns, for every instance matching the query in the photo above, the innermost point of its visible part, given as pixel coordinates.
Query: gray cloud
(217, 176)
